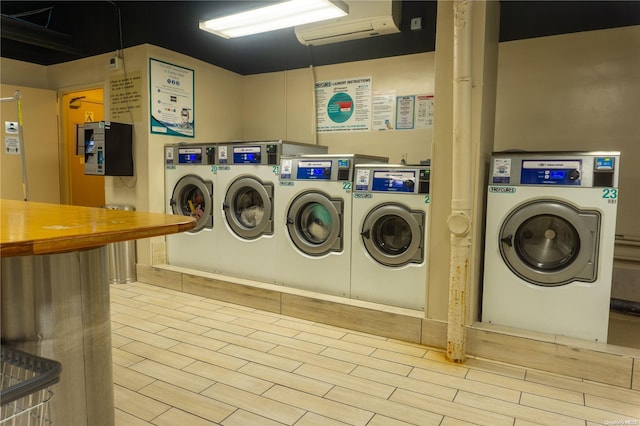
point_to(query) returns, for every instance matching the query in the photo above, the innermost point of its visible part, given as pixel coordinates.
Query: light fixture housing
(280, 15)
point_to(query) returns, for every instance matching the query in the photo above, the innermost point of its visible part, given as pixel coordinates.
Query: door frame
(65, 136)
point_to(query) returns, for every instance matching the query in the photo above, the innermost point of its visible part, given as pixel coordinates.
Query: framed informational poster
(171, 90)
(343, 105)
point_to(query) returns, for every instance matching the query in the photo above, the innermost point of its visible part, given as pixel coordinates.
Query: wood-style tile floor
(184, 360)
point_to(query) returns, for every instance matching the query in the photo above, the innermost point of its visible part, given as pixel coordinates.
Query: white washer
(550, 235)
(247, 176)
(390, 234)
(313, 212)
(190, 184)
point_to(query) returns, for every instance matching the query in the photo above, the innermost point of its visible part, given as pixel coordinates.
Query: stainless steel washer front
(551, 243)
(248, 207)
(393, 235)
(315, 223)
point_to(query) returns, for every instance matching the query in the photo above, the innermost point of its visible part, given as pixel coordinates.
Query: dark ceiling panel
(97, 27)
(529, 19)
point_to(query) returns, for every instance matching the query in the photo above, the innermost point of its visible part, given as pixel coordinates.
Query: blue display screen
(247, 155)
(557, 174)
(244, 157)
(190, 157)
(394, 182)
(305, 173)
(604, 163)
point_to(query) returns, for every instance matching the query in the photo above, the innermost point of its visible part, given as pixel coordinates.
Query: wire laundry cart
(25, 392)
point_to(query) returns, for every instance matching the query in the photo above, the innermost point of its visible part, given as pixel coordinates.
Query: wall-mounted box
(108, 149)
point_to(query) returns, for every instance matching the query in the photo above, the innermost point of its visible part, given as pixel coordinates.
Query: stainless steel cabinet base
(57, 306)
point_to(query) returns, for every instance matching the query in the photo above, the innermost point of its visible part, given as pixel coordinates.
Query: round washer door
(248, 207)
(394, 235)
(314, 221)
(551, 243)
(193, 196)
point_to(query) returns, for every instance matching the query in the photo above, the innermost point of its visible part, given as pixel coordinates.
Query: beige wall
(576, 92)
(39, 124)
(24, 74)
(280, 105)
(218, 114)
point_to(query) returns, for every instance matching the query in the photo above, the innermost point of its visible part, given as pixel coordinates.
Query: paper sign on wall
(125, 97)
(405, 108)
(11, 145)
(424, 111)
(383, 104)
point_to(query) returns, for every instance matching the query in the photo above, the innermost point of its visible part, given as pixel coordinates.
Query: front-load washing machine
(247, 174)
(190, 185)
(313, 212)
(549, 241)
(389, 234)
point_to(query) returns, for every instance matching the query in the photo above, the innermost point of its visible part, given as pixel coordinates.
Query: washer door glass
(194, 197)
(248, 208)
(314, 222)
(547, 242)
(393, 235)
(551, 243)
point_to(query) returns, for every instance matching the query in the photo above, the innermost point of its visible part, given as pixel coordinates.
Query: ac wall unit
(367, 18)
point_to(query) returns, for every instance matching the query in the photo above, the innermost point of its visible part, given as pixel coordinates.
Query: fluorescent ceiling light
(274, 17)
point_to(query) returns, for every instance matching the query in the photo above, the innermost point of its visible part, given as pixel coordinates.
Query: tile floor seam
(521, 387)
(528, 389)
(389, 402)
(586, 386)
(452, 405)
(588, 411)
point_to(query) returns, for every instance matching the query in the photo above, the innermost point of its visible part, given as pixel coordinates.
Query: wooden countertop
(28, 227)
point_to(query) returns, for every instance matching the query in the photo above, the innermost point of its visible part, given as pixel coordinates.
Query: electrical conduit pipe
(459, 221)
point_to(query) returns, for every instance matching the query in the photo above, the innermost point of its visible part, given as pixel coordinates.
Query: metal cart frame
(25, 393)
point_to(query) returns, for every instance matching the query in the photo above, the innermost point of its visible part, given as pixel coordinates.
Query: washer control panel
(193, 155)
(554, 172)
(396, 179)
(598, 169)
(323, 167)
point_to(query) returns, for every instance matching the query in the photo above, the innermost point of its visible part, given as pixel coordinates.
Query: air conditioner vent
(345, 30)
(365, 19)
